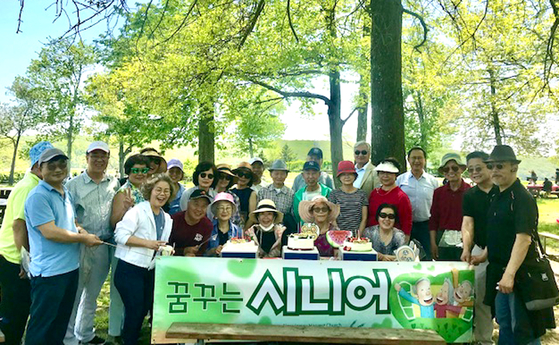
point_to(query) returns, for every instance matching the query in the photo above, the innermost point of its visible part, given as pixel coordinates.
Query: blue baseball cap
(311, 165)
(37, 149)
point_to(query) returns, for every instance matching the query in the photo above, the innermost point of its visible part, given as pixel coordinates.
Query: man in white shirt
(419, 186)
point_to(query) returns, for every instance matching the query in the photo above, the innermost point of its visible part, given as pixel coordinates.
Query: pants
(512, 317)
(16, 300)
(116, 307)
(420, 232)
(451, 253)
(52, 299)
(483, 321)
(135, 285)
(94, 268)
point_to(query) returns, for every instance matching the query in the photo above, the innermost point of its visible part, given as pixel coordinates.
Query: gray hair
(362, 142)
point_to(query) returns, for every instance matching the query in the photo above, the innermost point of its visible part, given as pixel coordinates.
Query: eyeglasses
(204, 175)
(497, 166)
(139, 170)
(101, 156)
(62, 164)
(362, 152)
(225, 177)
(225, 208)
(476, 169)
(454, 168)
(387, 215)
(323, 209)
(242, 174)
(162, 191)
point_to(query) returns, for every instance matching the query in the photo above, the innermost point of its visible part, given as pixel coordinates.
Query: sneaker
(95, 341)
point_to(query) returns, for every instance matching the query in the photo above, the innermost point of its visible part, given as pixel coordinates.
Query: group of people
(50, 283)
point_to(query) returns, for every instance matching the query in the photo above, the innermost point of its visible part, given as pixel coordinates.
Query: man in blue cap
(312, 188)
(14, 307)
(315, 155)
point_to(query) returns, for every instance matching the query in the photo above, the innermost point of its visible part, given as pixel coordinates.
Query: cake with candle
(301, 241)
(238, 245)
(357, 244)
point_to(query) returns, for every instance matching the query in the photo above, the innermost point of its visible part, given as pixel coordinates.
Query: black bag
(535, 280)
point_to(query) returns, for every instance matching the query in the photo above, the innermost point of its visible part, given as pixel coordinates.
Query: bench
(545, 236)
(305, 334)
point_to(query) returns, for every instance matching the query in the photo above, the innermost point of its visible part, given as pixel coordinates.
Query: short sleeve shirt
(49, 258)
(475, 204)
(512, 211)
(351, 208)
(373, 234)
(15, 210)
(184, 235)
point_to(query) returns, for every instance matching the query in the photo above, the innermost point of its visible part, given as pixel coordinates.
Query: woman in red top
(390, 193)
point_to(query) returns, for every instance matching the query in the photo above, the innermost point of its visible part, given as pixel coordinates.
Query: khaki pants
(483, 322)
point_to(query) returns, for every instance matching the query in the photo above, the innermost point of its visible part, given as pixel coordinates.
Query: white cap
(98, 145)
(387, 167)
(254, 160)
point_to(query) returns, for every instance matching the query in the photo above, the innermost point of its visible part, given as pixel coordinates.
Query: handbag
(536, 281)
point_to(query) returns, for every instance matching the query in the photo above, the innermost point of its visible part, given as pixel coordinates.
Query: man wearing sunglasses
(54, 240)
(367, 179)
(92, 194)
(445, 223)
(511, 221)
(474, 208)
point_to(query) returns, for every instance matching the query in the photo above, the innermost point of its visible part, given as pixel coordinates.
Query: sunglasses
(155, 160)
(476, 169)
(323, 209)
(454, 168)
(62, 164)
(362, 152)
(387, 215)
(139, 170)
(242, 174)
(204, 175)
(225, 177)
(497, 166)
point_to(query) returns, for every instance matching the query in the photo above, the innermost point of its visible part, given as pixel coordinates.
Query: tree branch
(19, 21)
(290, 21)
(425, 29)
(549, 59)
(288, 94)
(252, 22)
(350, 114)
(182, 24)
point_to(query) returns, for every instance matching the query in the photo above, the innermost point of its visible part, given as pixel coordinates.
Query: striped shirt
(351, 208)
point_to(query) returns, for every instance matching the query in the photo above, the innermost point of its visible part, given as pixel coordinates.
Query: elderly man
(367, 179)
(445, 224)
(311, 173)
(278, 191)
(512, 219)
(92, 194)
(258, 169)
(475, 204)
(54, 241)
(14, 306)
(419, 186)
(315, 155)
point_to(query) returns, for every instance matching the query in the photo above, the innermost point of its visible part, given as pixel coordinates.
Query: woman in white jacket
(140, 234)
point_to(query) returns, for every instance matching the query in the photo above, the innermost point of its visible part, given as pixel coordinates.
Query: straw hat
(305, 209)
(266, 205)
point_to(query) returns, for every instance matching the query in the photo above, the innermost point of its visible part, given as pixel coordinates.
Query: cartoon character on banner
(422, 289)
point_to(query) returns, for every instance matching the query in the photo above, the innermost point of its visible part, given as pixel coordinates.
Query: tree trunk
(335, 121)
(494, 111)
(421, 118)
(70, 141)
(386, 81)
(362, 111)
(206, 140)
(14, 156)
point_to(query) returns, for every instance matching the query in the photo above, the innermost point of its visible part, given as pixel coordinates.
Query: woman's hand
(219, 249)
(154, 245)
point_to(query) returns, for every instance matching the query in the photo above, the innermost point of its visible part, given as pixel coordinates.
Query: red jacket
(397, 197)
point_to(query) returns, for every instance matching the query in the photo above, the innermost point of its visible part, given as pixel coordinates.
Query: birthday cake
(240, 245)
(354, 244)
(301, 241)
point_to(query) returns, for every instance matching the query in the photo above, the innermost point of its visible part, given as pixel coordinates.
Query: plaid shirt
(283, 198)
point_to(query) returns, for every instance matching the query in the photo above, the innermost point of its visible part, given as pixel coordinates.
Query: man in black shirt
(512, 218)
(474, 209)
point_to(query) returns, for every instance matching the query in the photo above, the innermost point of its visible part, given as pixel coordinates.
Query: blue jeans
(52, 299)
(513, 320)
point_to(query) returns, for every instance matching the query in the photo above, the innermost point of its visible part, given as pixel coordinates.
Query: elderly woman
(323, 213)
(390, 193)
(176, 173)
(223, 207)
(141, 234)
(384, 237)
(268, 232)
(225, 180)
(157, 164)
(129, 194)
(246, 195)
(353, 202)
(204, 177)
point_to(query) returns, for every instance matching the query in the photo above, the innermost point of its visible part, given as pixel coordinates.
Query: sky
(19, 49)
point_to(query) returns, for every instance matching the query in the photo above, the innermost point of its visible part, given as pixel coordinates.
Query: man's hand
(91, 240)
(22, 274)
(506, 285)
(466, 256)
(191, 251)
(434, 251)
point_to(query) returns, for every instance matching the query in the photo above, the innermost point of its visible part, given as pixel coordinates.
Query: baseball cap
(200, 193)
(175, 163)
(255, 159)
(50, 154)
(311, 165)
(98, 145)
(37, 150)
(315, 151)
